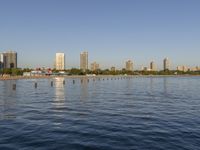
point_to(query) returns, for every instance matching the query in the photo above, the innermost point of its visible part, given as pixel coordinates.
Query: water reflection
(58, 103)
(94, 87)
(8, 100)
(151, 83)
(165, 85)
(59, 92)
(84, 89)
(7, 90)
(129, 83)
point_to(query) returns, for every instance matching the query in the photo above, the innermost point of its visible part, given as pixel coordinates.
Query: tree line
(75, 71)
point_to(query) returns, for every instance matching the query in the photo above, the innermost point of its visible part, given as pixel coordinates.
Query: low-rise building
(94, 66)
(182, 68)
(112, 69)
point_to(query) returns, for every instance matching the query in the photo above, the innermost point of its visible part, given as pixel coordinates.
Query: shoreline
(79, 76)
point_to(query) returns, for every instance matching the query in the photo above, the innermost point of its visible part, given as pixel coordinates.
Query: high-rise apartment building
(60, 61)
(84, 61)
(94, 66)
(129, 65)
(166, 64)
(9, 59)
(153, 66)
(1, 61)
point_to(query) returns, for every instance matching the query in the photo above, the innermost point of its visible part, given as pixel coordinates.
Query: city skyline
(112, 31)
(60, 63)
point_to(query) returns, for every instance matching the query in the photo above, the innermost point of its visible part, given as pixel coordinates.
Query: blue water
(144, 113)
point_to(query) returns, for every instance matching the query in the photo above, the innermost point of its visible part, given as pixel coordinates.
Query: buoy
(35, 85)
(14, 87)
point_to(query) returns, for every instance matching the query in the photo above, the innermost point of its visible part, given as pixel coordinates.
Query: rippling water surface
(144, 113)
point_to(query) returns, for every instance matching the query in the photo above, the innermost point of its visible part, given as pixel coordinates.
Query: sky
(112, 31)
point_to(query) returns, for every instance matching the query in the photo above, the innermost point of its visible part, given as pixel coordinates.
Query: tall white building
(8, 59)
(84, 61)
(166, 64)
(153, 66)
(60, 61)
(129, 65)
(1, 61)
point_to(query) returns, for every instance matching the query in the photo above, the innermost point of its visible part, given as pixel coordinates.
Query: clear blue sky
(112, 31)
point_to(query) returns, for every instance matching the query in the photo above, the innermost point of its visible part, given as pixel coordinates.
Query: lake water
(144, 113)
